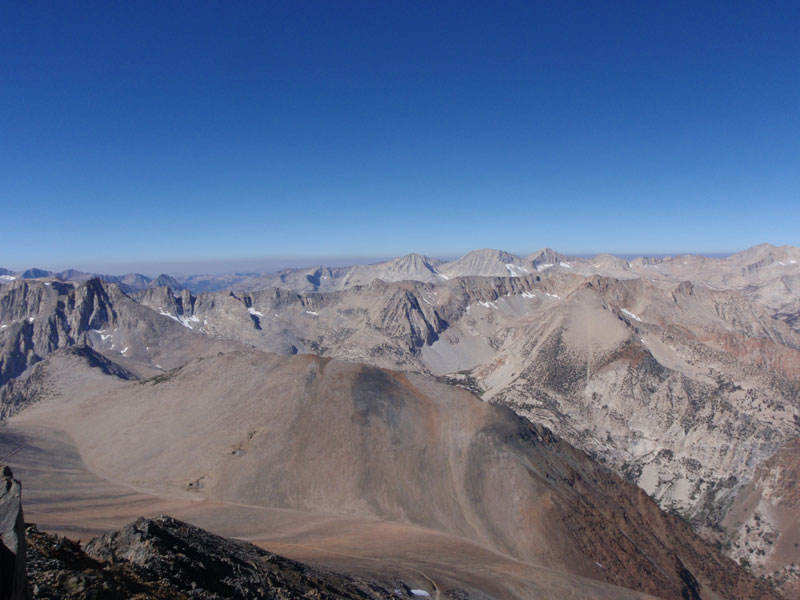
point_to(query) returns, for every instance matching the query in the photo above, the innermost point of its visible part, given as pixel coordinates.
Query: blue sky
(156, 131)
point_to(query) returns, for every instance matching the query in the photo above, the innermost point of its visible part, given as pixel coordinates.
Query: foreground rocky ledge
(164, 558)
(12, 538)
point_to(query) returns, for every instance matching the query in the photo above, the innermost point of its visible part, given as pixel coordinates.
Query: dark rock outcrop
(12, 539)
(167, 559)
(204, 565)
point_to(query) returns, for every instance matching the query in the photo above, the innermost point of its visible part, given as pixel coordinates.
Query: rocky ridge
(168, 559)
(38, 318)
(765, 273)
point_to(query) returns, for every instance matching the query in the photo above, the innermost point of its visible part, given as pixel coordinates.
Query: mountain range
(528, 408)
(755, 266)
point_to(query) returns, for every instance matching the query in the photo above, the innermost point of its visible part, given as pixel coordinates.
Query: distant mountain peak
(165, 280)
(36, 273)
(486, 262)
(546, 255)
(492, 253)
(416, 260)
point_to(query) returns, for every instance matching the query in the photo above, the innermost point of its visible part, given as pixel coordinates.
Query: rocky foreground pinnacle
(13, 581)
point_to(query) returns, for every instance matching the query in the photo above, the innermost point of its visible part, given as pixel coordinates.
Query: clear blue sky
(149, 131)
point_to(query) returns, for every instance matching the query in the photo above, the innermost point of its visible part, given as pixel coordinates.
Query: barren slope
(340, 438)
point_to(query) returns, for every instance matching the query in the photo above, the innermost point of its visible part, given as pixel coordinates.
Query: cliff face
(38, 318)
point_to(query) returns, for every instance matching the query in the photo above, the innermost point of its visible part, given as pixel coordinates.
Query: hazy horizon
(274, 263)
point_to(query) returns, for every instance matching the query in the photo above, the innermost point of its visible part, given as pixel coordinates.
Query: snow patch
(514, 268)
(182, 320)
(3, 326)
(30, 319)
(528, 295)
(124, 351)
(631, 315)
(7, 277)
(420, 593)
(489, 305)
(442, 275)
(556, 296)
(565, 264)
(311, 312)
(544, 266)
(251, 310)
